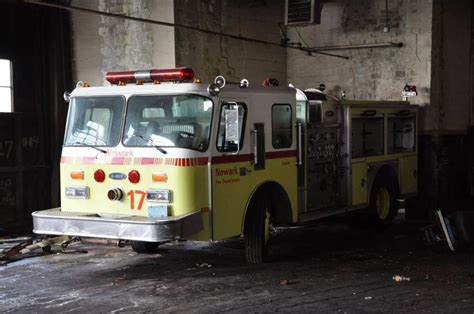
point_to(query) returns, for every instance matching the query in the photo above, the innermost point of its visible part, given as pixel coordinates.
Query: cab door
(231, 168)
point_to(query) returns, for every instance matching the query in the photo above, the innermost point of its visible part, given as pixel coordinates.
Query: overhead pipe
(358, 46)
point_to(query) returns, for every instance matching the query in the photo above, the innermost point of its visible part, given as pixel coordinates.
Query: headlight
(81, 192)
(160, 196)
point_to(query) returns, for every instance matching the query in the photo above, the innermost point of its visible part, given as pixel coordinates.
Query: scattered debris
(400, 278)
(204, 265)
(447, 229)
(44, 244)
(102, 241)
(284, 282)
(14, 249)
(441, 231)
(15, 240)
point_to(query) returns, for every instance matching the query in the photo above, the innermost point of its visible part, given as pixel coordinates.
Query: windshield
(168, 121)
(94, 121)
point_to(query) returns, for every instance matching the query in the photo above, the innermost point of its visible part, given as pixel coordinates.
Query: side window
(367, 136)
(222, 144)
(401, 134)
(281, 126)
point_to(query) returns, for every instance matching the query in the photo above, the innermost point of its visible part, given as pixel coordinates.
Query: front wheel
(257, 232)
(143, 247)
(383, 201)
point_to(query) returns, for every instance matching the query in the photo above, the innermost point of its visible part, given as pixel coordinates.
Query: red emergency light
(155, 75)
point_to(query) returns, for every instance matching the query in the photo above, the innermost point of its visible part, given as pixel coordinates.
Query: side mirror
(67, 96)
(232, 128)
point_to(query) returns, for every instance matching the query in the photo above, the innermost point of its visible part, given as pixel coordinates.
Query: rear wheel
(143, 247)
(257, 232)
(383, 203)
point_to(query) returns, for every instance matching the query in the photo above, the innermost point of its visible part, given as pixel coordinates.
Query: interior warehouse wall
(446, 145)
(210, 55)
(103, 44)
(374, 74)
(31, 137)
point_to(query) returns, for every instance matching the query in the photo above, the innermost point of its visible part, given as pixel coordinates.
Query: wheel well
(279, 207)
(386, 171)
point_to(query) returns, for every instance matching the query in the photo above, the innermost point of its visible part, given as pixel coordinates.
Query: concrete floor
(338, 267)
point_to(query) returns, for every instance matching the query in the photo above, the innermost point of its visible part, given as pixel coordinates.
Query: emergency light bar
(155, 75)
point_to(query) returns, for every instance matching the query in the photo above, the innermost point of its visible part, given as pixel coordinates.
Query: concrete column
(103, 44)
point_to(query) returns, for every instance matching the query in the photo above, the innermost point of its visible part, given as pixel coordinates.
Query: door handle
(299, 133)
(255, 146)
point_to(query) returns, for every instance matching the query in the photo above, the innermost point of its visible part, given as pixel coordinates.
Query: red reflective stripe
(202, 161)
(281, 154)
(180, 162)
(148, 161)
(231, 158)
(88, 160)
(249, 157)
(117, 160)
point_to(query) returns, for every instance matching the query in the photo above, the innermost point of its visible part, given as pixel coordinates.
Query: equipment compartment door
(359, 182)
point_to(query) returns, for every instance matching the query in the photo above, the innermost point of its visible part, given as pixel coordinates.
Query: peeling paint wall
(210, 56)
(103, 44)
(378, 73)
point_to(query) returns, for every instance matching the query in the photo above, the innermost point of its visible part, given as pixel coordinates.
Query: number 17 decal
(132, 194)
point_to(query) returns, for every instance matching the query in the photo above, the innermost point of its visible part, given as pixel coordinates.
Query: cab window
(222, 144)
(168, 121)
(94, 121)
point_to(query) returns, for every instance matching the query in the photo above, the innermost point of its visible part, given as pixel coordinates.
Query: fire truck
(159, 156)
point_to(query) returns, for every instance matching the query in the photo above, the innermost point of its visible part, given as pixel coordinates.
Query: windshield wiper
(103, 151)
(160, 149)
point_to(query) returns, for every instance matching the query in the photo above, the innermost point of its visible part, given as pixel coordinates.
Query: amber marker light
(77, 175)
(159, 177)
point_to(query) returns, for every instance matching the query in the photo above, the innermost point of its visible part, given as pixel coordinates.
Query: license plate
(158, 211)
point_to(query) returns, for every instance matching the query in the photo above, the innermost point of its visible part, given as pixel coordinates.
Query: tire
(257, 232)
(143, 247)
(383, 200)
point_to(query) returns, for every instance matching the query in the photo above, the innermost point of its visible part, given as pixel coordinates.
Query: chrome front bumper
(55, 222)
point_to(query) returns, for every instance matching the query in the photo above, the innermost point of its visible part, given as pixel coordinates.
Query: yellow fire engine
(178, 159)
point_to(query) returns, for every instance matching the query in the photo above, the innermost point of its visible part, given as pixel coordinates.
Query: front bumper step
(55, 222)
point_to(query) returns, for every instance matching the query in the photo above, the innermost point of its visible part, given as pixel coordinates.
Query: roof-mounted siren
(220, 81)
(244, 83)
(303, 12)
(215, 88)
(409, 91)
(181, 75)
